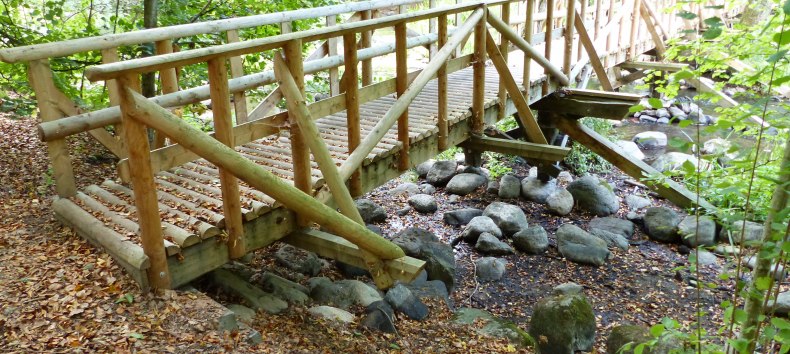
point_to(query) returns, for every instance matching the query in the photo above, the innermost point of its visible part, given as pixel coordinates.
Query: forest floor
(60, 294)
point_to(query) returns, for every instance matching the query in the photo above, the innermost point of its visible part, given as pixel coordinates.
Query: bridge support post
(473, 158)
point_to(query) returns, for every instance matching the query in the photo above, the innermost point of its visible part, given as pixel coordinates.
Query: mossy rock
(563, 324)
(495, 327)
(624, 334)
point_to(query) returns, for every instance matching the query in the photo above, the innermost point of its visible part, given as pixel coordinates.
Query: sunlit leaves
(686, 15)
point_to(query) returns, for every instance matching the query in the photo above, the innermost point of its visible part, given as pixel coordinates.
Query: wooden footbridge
(186, 202)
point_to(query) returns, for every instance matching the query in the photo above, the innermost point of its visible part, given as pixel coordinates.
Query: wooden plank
(223, 132)
(517, 148)
(587, 103)
(635, 168)
(403, 269)
(40, 78)
(253, 296)
(401, 83)
(441, 119)
(525, 115)
(658, 66)
(595, 61)
(142, 177)
(651, 28)
(547, 45)
(237, 70)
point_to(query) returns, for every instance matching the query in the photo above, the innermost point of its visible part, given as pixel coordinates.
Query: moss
(621, 335)
(563, 324)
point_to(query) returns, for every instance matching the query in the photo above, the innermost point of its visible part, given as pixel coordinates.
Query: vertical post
(547, 48)
(237, 70)
(431, 29)
(223, 131)
(583, 12)
(456, 23)
(610, 35)
(504, 48)
(442, 81)
(597, 19)
(145, 200)
(478, 88)
(110, 55)
(401, 83)
(634, 27)
(299, 150)
(529, 25)
(168, 80)
(334, 78)
(351, 89)
(623, 19)
(569, 19)
(364, 42)
(40, 77)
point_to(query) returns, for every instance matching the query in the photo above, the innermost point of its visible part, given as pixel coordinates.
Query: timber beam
(651, 65)
(517, 148)
(577, 104)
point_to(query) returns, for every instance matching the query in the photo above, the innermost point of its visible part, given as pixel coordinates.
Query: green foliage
(448, 154)
(497, 164)
(581, 160)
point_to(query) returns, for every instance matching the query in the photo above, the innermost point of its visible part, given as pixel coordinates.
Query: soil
(59, 293)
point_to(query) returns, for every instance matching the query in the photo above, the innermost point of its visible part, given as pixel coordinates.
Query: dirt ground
(60, 294)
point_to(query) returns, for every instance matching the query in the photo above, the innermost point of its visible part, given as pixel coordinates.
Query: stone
(490, 268)
(536, 190)
(705, 258)
(441, 172)
(565, 324)
(225, 323)
(662, 121)
(404, 211)
(461, 216)
(594, 195)
(779, 272)
(716, 146)
(489, 244)
(677, 113)
(647, 119)
(291, 292)
(624, 334)
(508, 217)
(439, 257)
(476, 170)
(662, 113)
(564, 177)
(493, 326)
(579, 246)
(752, 232)
(726, 250)
(424, 168)
(371, 212)
(569, 288)
(453, 199)
(612, 239)
(299, 260)
(479, 225)
(694, 232)
(673, 161)
(412, 239)
(333, 314)
(630, 148)
(254, 337)
(243, 313)
(636, 202)
(430, 289)
(650, 140)
(324, 291)
(532, 240)
(782, 304)
(426, 188)
(407, 189)
(361, 294)
(460, 157)
(613, 225)
(423, 203)
(560, 201)
(492, 187)
(402, 300)
(465, 183)
(379, 317)
(509, 187)
(350, 271)
(661, 224)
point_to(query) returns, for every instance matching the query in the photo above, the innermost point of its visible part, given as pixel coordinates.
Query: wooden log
(257, 177)
(547, 45)
(651, 29)
(168, 80)
(66, 48)
(634, 28)
(223, 132)
(355, 159)
(578, 103)
(658, 66)
(479, 79)
(351, 89)
(527, 119)
(569, 21)
(517, 148)
(441, 119)
(504, 48)
(635, 168)
(256, 298)
(596, 20)
(109, 55)
(300, 154)
(519, 42)
(342, 197)
(331, 50)
(237, 70)
(40, 78)
(364, 42)
(529, 26)
(198, 191)
(401, 83)
(658, 22)
(582, 15)
(595, 61)
(136, 138)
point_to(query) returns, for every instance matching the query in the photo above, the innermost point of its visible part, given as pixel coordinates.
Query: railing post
(237, 70)
(365, 42)
(431, 29)
(223, 131)
(634, 27)
(473, 158)
(169, 82)
(547, 45)
(441, 120)
(40, 78)
(569, 19)
(583, 13)
(504, 48)
(145, 199)
(529, 26)
(609, 35)
(110, 55)
(299, 150)
(401, 83)
(334, 78)
(351, 89)
(456, 23)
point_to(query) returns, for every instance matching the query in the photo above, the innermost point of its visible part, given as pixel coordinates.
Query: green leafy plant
(581, 160)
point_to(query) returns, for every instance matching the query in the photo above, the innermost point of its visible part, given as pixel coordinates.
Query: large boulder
(509, 187)
(579, 246)
(532, 240)
(423, 203)
(461, 216)
(441, 172)
(490, 268)
(379, 316)
(424, 168)
(371, 212)
(402, 300)
(673, 161)
(695, 232)
(285, 289)
(536, 190)
(438, 256)
(613, 225)
(752, 232)
(407, 189)
(342, 293)
(333, 314)
(563, 324)
(624, 334)
(508, 217)
(560, 201)
(594, 195)
(489, 244)
(478, 225)
(493, 326)
(630, 148)
(636, 202)
(299, 260)
(782, 304)
(611, 239)
(465, 183)
(661, 224)
(651, 140)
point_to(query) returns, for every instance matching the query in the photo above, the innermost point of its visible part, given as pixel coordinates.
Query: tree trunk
(756, 12)
(755, 297)
(150, 11)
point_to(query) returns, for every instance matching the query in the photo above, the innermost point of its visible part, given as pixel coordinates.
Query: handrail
(143, 65)
(65, 48)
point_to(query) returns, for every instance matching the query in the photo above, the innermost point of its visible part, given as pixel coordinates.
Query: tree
(150, 12)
